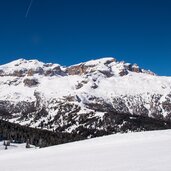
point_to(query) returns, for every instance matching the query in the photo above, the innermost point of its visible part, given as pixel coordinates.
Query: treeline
(111, 123)
(37, 137)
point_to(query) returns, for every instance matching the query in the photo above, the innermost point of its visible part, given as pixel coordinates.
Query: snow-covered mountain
(91, 98)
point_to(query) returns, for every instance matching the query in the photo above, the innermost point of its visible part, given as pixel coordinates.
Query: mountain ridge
(97, 95)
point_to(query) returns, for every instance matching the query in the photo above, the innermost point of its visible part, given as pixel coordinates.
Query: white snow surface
(143, 151)
(15, 147)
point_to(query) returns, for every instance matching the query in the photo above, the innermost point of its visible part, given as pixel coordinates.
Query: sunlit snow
(144, 151)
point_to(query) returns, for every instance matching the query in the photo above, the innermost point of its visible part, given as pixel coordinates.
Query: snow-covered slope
(89, 95)
(144, 151)
(14, 147)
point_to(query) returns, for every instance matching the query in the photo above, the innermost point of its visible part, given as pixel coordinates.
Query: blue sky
(72, 31)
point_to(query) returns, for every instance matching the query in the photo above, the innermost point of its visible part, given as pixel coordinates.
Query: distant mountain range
(91, 99)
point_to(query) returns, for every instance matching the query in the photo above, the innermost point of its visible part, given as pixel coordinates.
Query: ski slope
(144, 151)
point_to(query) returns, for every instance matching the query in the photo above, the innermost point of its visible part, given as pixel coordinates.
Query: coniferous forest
(43, 138)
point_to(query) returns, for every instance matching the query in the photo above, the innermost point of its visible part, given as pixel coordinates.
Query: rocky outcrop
(30, 82)
(135, 68)
(123, 72)
(77, 70)
(18, 73)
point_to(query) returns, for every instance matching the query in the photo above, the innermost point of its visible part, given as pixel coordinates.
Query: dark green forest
(37, 137)
(112, 123)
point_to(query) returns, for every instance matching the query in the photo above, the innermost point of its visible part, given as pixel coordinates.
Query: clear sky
(72, 31)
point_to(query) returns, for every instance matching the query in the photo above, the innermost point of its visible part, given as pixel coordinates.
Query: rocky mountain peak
(22, 67)
(107, 66)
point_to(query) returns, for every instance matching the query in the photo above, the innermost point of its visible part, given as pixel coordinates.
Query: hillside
(144, 151)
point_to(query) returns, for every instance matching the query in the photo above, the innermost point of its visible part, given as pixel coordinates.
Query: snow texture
(143, 151)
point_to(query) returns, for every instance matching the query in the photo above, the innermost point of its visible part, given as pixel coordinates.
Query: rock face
(30, 82)
(77, 70)
(135, 68)
(93, 98)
